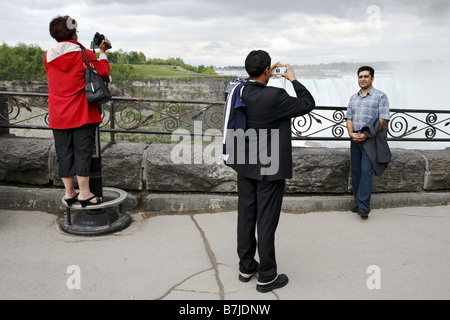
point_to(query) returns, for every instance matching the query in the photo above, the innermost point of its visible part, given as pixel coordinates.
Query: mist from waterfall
(408, 85)
(420, 85)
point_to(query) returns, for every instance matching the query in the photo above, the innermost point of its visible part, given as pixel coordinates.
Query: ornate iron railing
(328, 123)
(161, 117)
(122, 115)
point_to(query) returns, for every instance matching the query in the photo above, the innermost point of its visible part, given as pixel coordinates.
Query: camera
(98, 38)
(280, 71)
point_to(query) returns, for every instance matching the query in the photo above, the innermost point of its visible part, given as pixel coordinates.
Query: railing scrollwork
(407, 124)
(162, 117)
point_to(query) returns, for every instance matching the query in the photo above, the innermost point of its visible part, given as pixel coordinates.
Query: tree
(23, 62)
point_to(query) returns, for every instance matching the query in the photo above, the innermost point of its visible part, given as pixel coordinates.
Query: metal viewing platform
(105, 218)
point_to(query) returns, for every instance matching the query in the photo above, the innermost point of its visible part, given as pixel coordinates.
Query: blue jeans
(362, 179)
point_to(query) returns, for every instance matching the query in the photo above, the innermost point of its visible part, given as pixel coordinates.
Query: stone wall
(142, 167)
(210, 89)
(195, 88)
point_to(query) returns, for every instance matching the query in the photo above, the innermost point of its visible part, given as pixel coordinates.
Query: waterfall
(406, 88)
(329, 92)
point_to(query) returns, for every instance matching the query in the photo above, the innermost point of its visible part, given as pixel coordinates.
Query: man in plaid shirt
(367, 104)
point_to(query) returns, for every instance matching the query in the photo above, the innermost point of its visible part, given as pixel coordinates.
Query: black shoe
(71, 201)
(363, 213)
(279, 282)
(246, 277)
(87, 202)
(355, 209)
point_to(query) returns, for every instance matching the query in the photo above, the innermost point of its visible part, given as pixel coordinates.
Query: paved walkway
(400, 253)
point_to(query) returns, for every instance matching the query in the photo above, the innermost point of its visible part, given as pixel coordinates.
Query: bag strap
(83, 53)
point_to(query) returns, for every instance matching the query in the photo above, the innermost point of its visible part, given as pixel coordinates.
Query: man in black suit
(261, 183)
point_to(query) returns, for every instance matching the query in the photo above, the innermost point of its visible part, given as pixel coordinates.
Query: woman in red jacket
(71, 117)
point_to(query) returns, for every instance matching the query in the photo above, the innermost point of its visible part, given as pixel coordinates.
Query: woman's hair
(63, 28)
(256, 62)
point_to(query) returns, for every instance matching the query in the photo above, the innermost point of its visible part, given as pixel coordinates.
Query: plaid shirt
(363, 108)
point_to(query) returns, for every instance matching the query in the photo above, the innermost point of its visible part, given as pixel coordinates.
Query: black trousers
(74, 149)
(259, 207)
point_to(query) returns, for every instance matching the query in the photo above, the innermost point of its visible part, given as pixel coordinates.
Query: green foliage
(123, 72)
(139, 58)
(23, 62)
(26, 62)
(143, 72)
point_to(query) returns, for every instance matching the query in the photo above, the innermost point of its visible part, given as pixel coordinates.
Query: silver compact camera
(279, 71)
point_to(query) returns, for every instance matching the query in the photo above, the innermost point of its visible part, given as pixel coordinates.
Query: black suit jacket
(272, 109)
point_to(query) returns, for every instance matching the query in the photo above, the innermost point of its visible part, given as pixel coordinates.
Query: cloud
(223, 32)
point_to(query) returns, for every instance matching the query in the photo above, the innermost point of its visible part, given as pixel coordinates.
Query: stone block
(405, 173)
(437, 176)
(163, 175)
(122, 166)
(24, 160)
(319, 171)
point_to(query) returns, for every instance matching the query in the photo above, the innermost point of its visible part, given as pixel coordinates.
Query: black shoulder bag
(96, 89)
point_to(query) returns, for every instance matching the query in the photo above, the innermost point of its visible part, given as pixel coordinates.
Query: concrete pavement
(398, 253)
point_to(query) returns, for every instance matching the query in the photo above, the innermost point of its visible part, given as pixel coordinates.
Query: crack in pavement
(179, 284)
(212, 259)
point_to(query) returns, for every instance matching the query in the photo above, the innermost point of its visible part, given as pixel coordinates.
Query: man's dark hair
(62, 28)
(367, 68)
(256, 62)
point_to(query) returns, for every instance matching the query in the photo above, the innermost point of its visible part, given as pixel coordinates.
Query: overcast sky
(222, 32)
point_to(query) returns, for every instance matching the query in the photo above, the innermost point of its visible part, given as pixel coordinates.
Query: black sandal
(71, 201)
(87, 202)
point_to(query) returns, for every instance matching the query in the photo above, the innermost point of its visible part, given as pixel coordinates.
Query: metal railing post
(112, 116)
(4, 114)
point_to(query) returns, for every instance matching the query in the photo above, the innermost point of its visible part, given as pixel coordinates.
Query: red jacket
(67, 104)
